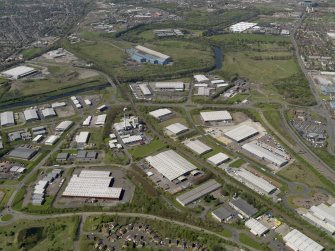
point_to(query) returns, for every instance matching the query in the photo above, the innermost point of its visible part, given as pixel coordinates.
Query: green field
(245, 239)
(237, 163)
(146, 150)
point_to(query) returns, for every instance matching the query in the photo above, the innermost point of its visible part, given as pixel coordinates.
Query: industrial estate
(167, 125)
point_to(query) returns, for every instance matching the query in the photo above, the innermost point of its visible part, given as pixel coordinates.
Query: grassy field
(237, 163)
(6, 217)
(245, 239)
(39, 235)
(146, 150)
(6, 192)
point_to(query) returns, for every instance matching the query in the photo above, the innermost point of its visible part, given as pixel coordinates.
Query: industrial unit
(170, 86)
(322, 216)
(197, 146)
(51, 140)
(216, 116)
(201, 78)
(19, 72)
(223, 213)
(161, 114)
(297, 241)
(63, 126)
(30, 115)
(243, 207)
(241, 26)
(48, 112)
(241, 133)
(256, 227)
(218, 159)
(7, 118)
(142, 54)
(176, 129)
(132, 139)
(145, 89)
(87, 121)
(255, 182)
(82, 139)
(92, 184)
(198, 192)
(100, 121)
(22, 152)
(170, 164)
(265, 154)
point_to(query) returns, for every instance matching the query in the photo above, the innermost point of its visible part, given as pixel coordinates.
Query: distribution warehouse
(170, 164)
(256, 227)
(30, 115)
(198, 192)
(242, 26)
(218, 159)
(7, 119)
(63, 126)
(142, 54)
(19, 72)
(176, 129)
(198, 147)
(297, 241)
(92, 184)
(322, 216)
(216, 116)
(265, 154)
(241, 133)
(169, 86)
(161, 114)
(145, 89)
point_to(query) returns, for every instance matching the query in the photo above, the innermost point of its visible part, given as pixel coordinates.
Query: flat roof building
(48, 112)
(297, 241)
(324, 213)
(161, 114)
(51, 140)
(101, 119)
(63, 126)
(132, 139)
(142, 54)
(198, 192)
(256, 182)
(58, 105)
(170, 86)
(197, 146)
(256, 227)
(265, 154)
(241, 26)
(216, 116)
(30, 115)
(24, 153)
(241, 133)
(243, 207)
(145, 89)
(223, 213)
(82, 139)
(7, 118)
(201, 78)
(170, 164)
(317, 221)
(19, 72)
(218, 159)
(176, 129)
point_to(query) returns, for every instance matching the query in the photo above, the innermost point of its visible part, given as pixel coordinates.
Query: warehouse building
(101, 119)
(265, 154)
(201, 79)
(319, 222)
(22, 152)
(30, 115)
(243, 207)
(7, 119)
(19, 72)
(58, 105)
(63, 126)
(82, 139)
(102, 108)
(170, 86)
(126, 124)
(197, 146)
(51, 140)
(62, 157)
(39, 130)
(176, 129)
(170, 164)
(218, 159)
(241, 26)
(297, 241)
(223, 213)
(322, 216)
(87, 102)
(142, 54)
(92, 184)
(84, 156)
(257, 183)
(87, 121)
(241, 133)
(198, 192)
(48, 112)
(256, 227)
(132, 139)
(145, 89)
(216, 116)
(161, 114)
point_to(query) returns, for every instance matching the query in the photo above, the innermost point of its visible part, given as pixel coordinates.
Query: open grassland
(39, 235)
(146, 150)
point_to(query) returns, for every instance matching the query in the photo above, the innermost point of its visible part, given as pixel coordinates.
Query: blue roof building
(144, 55)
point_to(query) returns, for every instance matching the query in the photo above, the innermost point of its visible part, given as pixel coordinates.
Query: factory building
(216, 116)
(39, 130)
(256, 227)
(197, 146)
(243, 207)
(19, 72)
(87, 121)
(126, 124)
(319, 222)
(82, 139)
(58, 105)
(48, 112)
(142, 54)
(101, 119)
(241, 133)
(322, 216)
(63, 126)
(176, 129)
(161, 114)
(92, 184)
(255, 182)
(201, 78)
(223, 213)
(30, 115)
(198, 192)
(145, 89)
(170, 164)
(265, 154)
(170, 86)
(241, 26)
(7, 119)
(297, 241)
(22, 152)
(51, 140)
(132, 139)
(218, 159)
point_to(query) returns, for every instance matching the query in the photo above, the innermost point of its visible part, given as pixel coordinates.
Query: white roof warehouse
(215, 116)
(198, 147)
(299, 242)
(170, 164)
(241, 133)
(19, 72)
(160, 113)
(7, 118)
